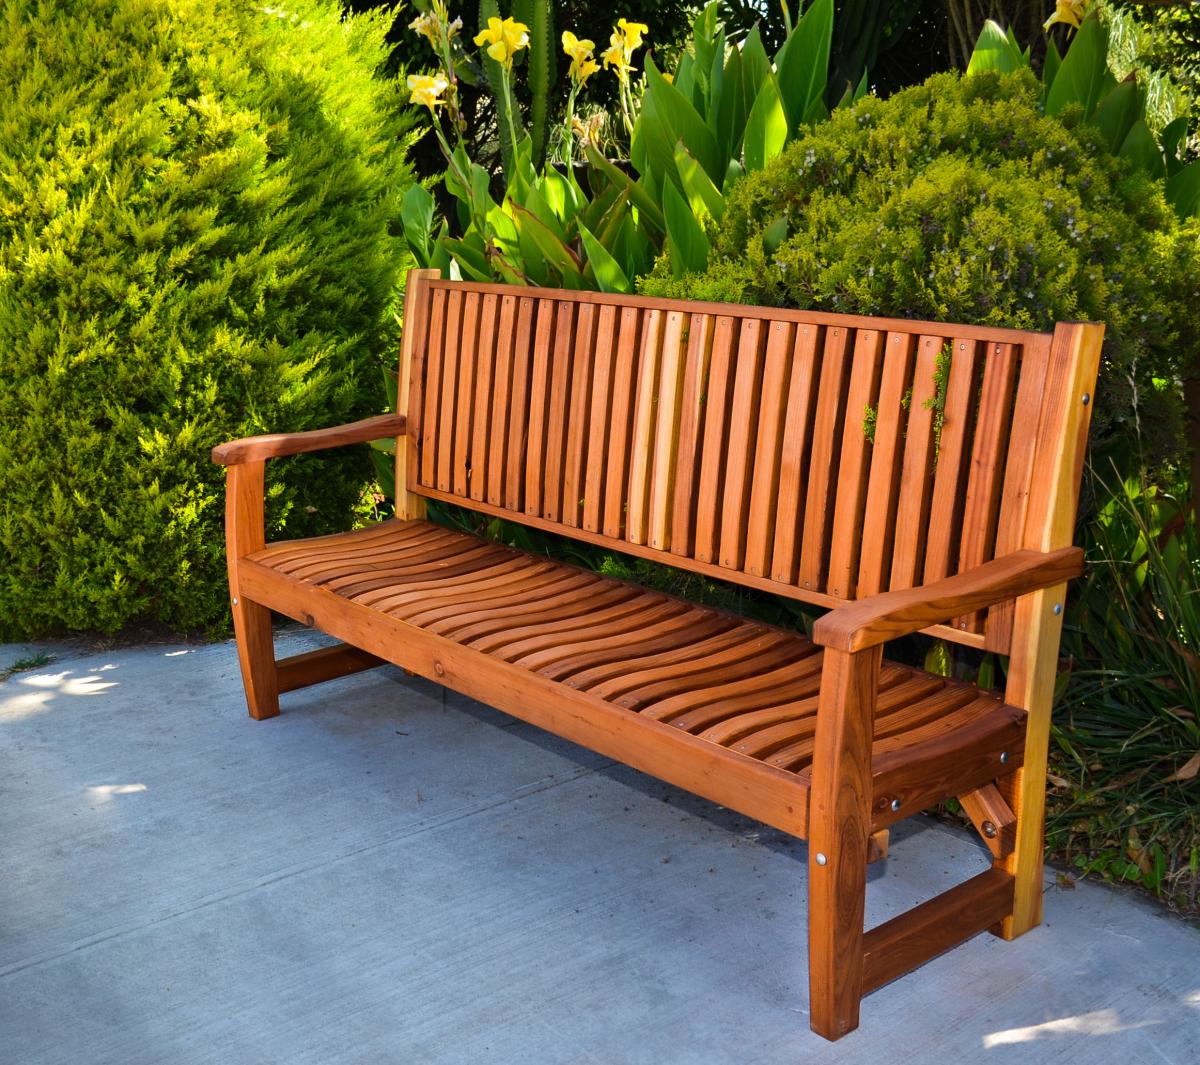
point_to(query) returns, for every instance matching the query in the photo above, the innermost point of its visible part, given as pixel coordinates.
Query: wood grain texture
(992, 817)
(244, 534)
(888, 615)
(934, 927)
(839, 825)
(277, 445)
(325, 663)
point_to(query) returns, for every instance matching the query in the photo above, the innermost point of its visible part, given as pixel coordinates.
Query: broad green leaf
(674, 118)
(557, 254)
(471, 262)
(416, 214)
(994, 51)
(755, 64)
(732, 107)
(1051, 64)
(636, 192)
(689, 245)
(1170, 139)
(1141, 149)
(1117, 112)
(1183, 190)
(702, 195)
(1080, 78)
(766, 128)
(802, 64)
(604, 269)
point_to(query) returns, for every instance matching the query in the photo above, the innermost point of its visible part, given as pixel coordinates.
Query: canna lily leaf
(766, 128)
(995, 50)
(670, 118)
(688, 244)
(558, 255)
(1141, 149)
(602, 267)
(1117, 112)
(702, 195)
(1183, 190)
(637, 193)
(802, 64)
(1080, 78)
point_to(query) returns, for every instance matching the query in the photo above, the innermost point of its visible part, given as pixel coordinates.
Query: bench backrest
(819, 456)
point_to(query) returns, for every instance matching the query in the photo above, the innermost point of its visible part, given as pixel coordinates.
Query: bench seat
(721, 684)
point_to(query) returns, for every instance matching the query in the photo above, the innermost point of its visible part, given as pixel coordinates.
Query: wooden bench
(911, 476)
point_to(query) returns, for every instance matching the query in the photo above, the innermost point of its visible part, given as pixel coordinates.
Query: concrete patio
(391, 873)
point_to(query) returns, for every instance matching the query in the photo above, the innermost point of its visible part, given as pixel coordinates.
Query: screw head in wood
(989, 830)
(821, 859)
(1004, 757)
(1087, 398)
(895, 805)
(1057, 609)
(235, 600)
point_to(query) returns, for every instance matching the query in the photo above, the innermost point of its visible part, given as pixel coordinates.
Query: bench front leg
(839, 830)
(245, 534)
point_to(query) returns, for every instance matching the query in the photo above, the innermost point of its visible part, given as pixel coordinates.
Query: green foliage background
(195, 201)
(957, 200)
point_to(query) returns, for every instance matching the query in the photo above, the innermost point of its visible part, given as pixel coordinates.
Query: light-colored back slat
(803, 453)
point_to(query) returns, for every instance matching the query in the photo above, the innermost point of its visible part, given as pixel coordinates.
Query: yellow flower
(583, 66)
(668, 78)
(426, 89)
(615, 55)
(426, 25)
(632, 34)
(504, 39)
(1068, 12)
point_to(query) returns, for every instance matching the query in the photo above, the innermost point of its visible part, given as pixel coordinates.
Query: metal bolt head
(1004, 757)
(989, 829)
(821, 859)
(1057, 609)
(235, 600)
(895, 805)
(1087, 398)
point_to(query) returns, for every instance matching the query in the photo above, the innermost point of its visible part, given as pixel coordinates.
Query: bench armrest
(879, 618)
(276, 445)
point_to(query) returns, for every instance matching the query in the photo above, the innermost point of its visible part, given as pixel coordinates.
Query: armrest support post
(839, 827)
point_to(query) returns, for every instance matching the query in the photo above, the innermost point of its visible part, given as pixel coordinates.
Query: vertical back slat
(986, 472)
(879, 520)
(600, 418)
(826, 452)
(764, 490)
(691, 426)
(916, 481)
(431, 392)
(951, 462)
(485, 364)
(506, 333)
(743, 431)
(577, 429)
(518, 410)
(539, 403)
(556, 410)
(448, 395)
(641, 452)
(712, 454)
(460, 466)
(797, 445)
(666, 431)
(1018, 473)
(616, 473)
(854, 465)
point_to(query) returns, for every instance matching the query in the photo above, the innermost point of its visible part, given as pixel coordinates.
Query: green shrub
(959, 200)
(195, 201)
